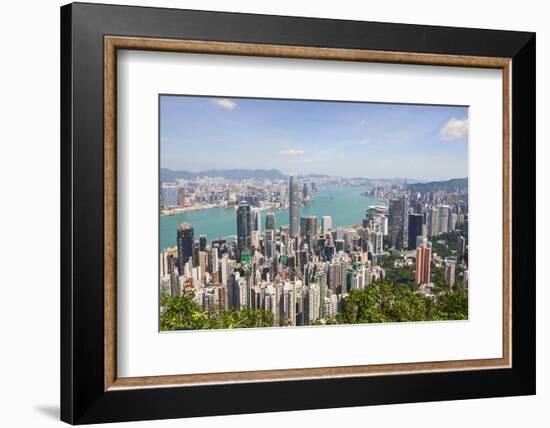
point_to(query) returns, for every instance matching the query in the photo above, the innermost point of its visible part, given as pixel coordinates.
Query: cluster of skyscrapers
(302, 271)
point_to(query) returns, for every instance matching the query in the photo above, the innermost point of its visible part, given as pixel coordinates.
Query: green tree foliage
(183, 313)
(387, 301)
(452, 305)
(382, 301)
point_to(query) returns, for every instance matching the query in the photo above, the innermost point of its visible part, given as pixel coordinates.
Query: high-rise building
(395, 221)
(326, 225)
(255, 239)
(450, 269)
(185, 242)
(423, 256)
(256, 220)
(181, 197)
(203, 242)
(460, 249)
(308, 227)
(444, 214)
(452, 221)
(312, 304)
(166, 263)
(415, 229)
(270, 221)
(321, 281)
(405, 224)
(433, 229)
(269, 243)
(305, 192)
(377, 239)
(399, 222)
(168, 195)
(243, 227)
(175, 289)
(294, 202)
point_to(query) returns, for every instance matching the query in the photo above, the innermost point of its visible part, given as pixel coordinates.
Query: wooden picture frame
(91, 390)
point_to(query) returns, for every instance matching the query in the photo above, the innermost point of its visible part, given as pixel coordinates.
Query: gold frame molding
(113, 43)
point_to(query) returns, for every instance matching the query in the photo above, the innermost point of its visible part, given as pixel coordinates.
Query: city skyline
(314, 243)
(400, 263)
(420, 142)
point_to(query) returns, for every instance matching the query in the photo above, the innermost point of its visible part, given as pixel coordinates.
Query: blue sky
(336, 138)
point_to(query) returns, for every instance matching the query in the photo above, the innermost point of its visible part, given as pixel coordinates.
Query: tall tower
(244, 223)
(450, 268)
(415, 229)
(423, 256)
(308, 226)
(294, 201)
(270, 221)
(256, 219)
(326, 225)
(181, 197)
(185, 242)
(433, 230)
(460, 249)
(395, 222)
(444, 213)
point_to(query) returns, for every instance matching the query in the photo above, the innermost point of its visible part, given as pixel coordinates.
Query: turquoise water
(345, 205)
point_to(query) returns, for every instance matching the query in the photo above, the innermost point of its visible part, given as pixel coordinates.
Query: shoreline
(179, 210)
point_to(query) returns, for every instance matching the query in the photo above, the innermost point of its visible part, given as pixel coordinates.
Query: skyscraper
(305, 192)
(294, 201)
(415, 229)
(450, 268)
(185, 244)
(395, 221)
(399, 222)
(326, 225)
(423, 256)
(244, 223)
(433, 230)
(181, 197)
(444, 214)
(203, 242)
(460, 249)
(168, 195)
(270, 221)
(256, 219)
(308, 226)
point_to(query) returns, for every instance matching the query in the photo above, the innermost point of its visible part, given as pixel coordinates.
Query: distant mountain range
(167, 175)
(435, 186)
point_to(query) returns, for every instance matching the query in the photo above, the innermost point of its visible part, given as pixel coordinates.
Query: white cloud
(454, 129)
(225, 103)
(364, 141)
(292, 152)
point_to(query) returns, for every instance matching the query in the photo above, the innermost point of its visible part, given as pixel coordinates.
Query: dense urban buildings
(287, 212)
(302, 272)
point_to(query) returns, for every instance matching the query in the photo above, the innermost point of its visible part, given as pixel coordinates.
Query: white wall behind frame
(33, 341)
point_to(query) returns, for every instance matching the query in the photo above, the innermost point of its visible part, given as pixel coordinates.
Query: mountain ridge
(167, 175)
(445, 185)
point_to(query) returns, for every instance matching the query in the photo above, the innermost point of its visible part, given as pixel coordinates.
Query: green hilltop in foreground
(384, 301)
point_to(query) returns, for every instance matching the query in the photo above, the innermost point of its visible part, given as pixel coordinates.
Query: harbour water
(345, 205)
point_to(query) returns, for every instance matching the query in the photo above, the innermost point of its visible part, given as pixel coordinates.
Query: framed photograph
(266, 213)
